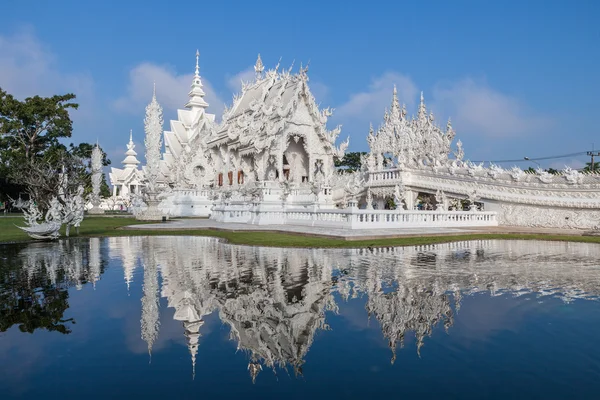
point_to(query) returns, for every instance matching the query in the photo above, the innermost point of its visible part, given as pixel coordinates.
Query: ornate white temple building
(129, 180)
(270, 160)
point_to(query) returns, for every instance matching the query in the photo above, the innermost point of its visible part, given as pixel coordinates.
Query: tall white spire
(96, 174)
(153, 125)
(130, 160)
(196, 93)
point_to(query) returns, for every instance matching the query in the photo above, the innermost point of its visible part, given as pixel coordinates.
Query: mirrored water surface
(189, 317)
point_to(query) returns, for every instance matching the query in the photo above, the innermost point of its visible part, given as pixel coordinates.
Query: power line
(580, 153)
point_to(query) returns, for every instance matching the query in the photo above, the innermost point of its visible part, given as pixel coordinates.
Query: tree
(350, 162)
(30, 127)
(31, 153)
(588, 167)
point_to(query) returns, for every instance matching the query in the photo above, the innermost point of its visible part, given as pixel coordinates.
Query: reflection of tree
(34, 283)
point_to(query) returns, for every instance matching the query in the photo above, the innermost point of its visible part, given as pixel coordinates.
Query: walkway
(346, 234)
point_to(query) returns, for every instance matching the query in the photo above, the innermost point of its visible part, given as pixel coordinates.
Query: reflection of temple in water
(274, 300)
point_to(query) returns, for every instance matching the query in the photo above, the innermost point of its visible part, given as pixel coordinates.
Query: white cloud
(28, 68)
(234, 83)
(320, 91)
(370, 105)
(171, 90)
(477, 109)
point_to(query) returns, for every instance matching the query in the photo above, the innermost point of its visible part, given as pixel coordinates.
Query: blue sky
(518, 78)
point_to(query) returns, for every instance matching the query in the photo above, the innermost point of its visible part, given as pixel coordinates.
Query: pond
(189, 317)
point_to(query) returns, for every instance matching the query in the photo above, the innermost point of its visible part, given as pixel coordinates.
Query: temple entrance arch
(297, 159)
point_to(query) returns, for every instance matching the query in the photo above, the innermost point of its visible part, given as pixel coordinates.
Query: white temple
(127, 181)
(270, 160)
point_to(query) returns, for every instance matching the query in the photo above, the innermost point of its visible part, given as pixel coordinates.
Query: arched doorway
(297, 160)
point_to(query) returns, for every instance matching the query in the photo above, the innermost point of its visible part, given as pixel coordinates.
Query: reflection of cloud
(21, 358)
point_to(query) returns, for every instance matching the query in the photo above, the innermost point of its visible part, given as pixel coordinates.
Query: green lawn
(107, 226)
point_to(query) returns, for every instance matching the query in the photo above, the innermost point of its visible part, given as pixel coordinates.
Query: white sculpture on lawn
(96, 164)
(66, 209)
(153, 126)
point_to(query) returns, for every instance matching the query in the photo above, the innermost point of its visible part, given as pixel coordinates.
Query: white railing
(352, 218)
(385, 175)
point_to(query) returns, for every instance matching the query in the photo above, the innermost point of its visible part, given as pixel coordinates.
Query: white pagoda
(129, 180)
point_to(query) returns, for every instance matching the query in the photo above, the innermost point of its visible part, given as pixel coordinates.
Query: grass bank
(108, 226)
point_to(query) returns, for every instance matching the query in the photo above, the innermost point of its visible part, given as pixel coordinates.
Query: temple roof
(267, 105)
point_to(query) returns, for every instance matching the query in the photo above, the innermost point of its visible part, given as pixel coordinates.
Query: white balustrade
(350, 218)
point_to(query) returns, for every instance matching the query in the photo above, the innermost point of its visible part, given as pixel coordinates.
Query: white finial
(259, 67)
(422, 98)
(131, 135)
(197, 66)
(154, 90)
(395, 90)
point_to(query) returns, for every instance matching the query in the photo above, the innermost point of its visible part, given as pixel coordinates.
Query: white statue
(369, 199)
(96, 164)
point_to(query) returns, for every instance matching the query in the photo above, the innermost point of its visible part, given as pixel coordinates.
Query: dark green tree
(588, 167)
(31, 153)
(350, 162)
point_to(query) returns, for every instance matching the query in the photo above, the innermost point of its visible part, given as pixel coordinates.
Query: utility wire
(580, 153)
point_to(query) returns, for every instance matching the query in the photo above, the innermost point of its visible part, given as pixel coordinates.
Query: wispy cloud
(171, 90)
(478, 109)
(28, 68)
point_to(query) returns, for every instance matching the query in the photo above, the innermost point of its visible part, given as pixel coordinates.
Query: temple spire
(130, 161)
(259, 67)
(422, 108)
(196, 93)
(395, 108)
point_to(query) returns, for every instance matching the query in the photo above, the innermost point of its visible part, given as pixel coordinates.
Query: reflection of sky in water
(462, 320)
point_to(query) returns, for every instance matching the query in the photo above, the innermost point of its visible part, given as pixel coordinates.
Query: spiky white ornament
(153, 126)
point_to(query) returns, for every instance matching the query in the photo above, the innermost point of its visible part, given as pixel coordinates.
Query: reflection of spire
(150, 314)
(192, 333)
(129, 259)
(254, 368)
(94, 260)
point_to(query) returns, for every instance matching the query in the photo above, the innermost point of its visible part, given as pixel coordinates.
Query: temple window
(240, 178)
(230, 177)
(221, 179)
